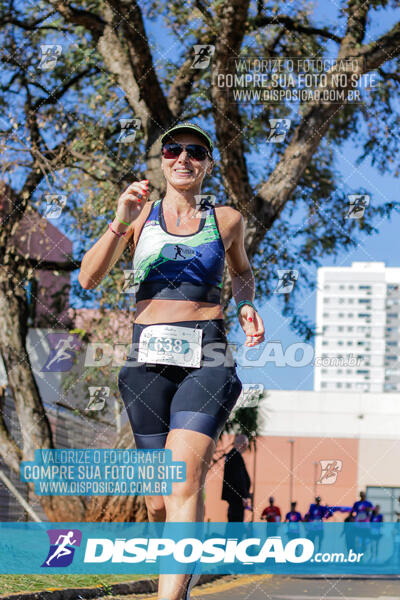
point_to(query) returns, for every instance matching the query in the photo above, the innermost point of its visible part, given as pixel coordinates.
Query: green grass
(12, 584)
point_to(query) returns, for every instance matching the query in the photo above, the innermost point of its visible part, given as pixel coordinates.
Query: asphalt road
(279, 587)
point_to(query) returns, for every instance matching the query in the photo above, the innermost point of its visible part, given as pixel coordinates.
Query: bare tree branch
(209, 19)
(50, 265)
(383, 49)
(78, 16)
(387, 76)
(290, 24)
(184, 79)
(58, 93)
(11, 19)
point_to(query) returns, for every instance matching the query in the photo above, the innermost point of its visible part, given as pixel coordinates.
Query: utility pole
(291, 442)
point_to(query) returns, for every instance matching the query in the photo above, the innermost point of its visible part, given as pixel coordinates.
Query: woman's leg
(147, 394)
(186, 503)
(155, 508)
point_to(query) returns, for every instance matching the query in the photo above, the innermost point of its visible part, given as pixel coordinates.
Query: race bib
(170, 345)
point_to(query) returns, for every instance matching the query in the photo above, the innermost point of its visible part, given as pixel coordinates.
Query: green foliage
(244, 420)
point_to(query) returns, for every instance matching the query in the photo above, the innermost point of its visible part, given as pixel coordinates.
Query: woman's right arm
(103, 255)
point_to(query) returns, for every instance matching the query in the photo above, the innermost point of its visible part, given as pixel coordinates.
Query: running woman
(171, 403)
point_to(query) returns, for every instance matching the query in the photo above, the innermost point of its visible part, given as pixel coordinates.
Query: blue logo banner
(224, 548)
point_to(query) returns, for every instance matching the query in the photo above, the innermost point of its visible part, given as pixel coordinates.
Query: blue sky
(380, 247)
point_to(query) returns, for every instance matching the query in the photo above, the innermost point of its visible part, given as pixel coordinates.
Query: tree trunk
(35, 427)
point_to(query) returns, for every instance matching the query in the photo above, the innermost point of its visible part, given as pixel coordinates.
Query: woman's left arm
(243, 286)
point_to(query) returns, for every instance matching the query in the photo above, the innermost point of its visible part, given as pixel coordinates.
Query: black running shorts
(159, 398)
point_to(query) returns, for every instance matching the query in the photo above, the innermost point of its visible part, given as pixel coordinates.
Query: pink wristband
(116, 232)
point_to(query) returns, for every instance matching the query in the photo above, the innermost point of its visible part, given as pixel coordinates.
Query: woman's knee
(156, 506)
(193, 486)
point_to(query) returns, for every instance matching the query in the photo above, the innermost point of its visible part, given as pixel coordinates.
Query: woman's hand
(252, 325)
(132, 200)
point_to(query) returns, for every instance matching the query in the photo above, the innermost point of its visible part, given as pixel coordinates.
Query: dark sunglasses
(195, 151)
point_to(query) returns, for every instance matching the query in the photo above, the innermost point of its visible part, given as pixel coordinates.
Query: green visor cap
(191, 128)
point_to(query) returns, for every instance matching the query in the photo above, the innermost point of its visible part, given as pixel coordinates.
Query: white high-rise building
(358, 328)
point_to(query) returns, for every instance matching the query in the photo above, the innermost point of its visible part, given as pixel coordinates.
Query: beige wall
(273, 474)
